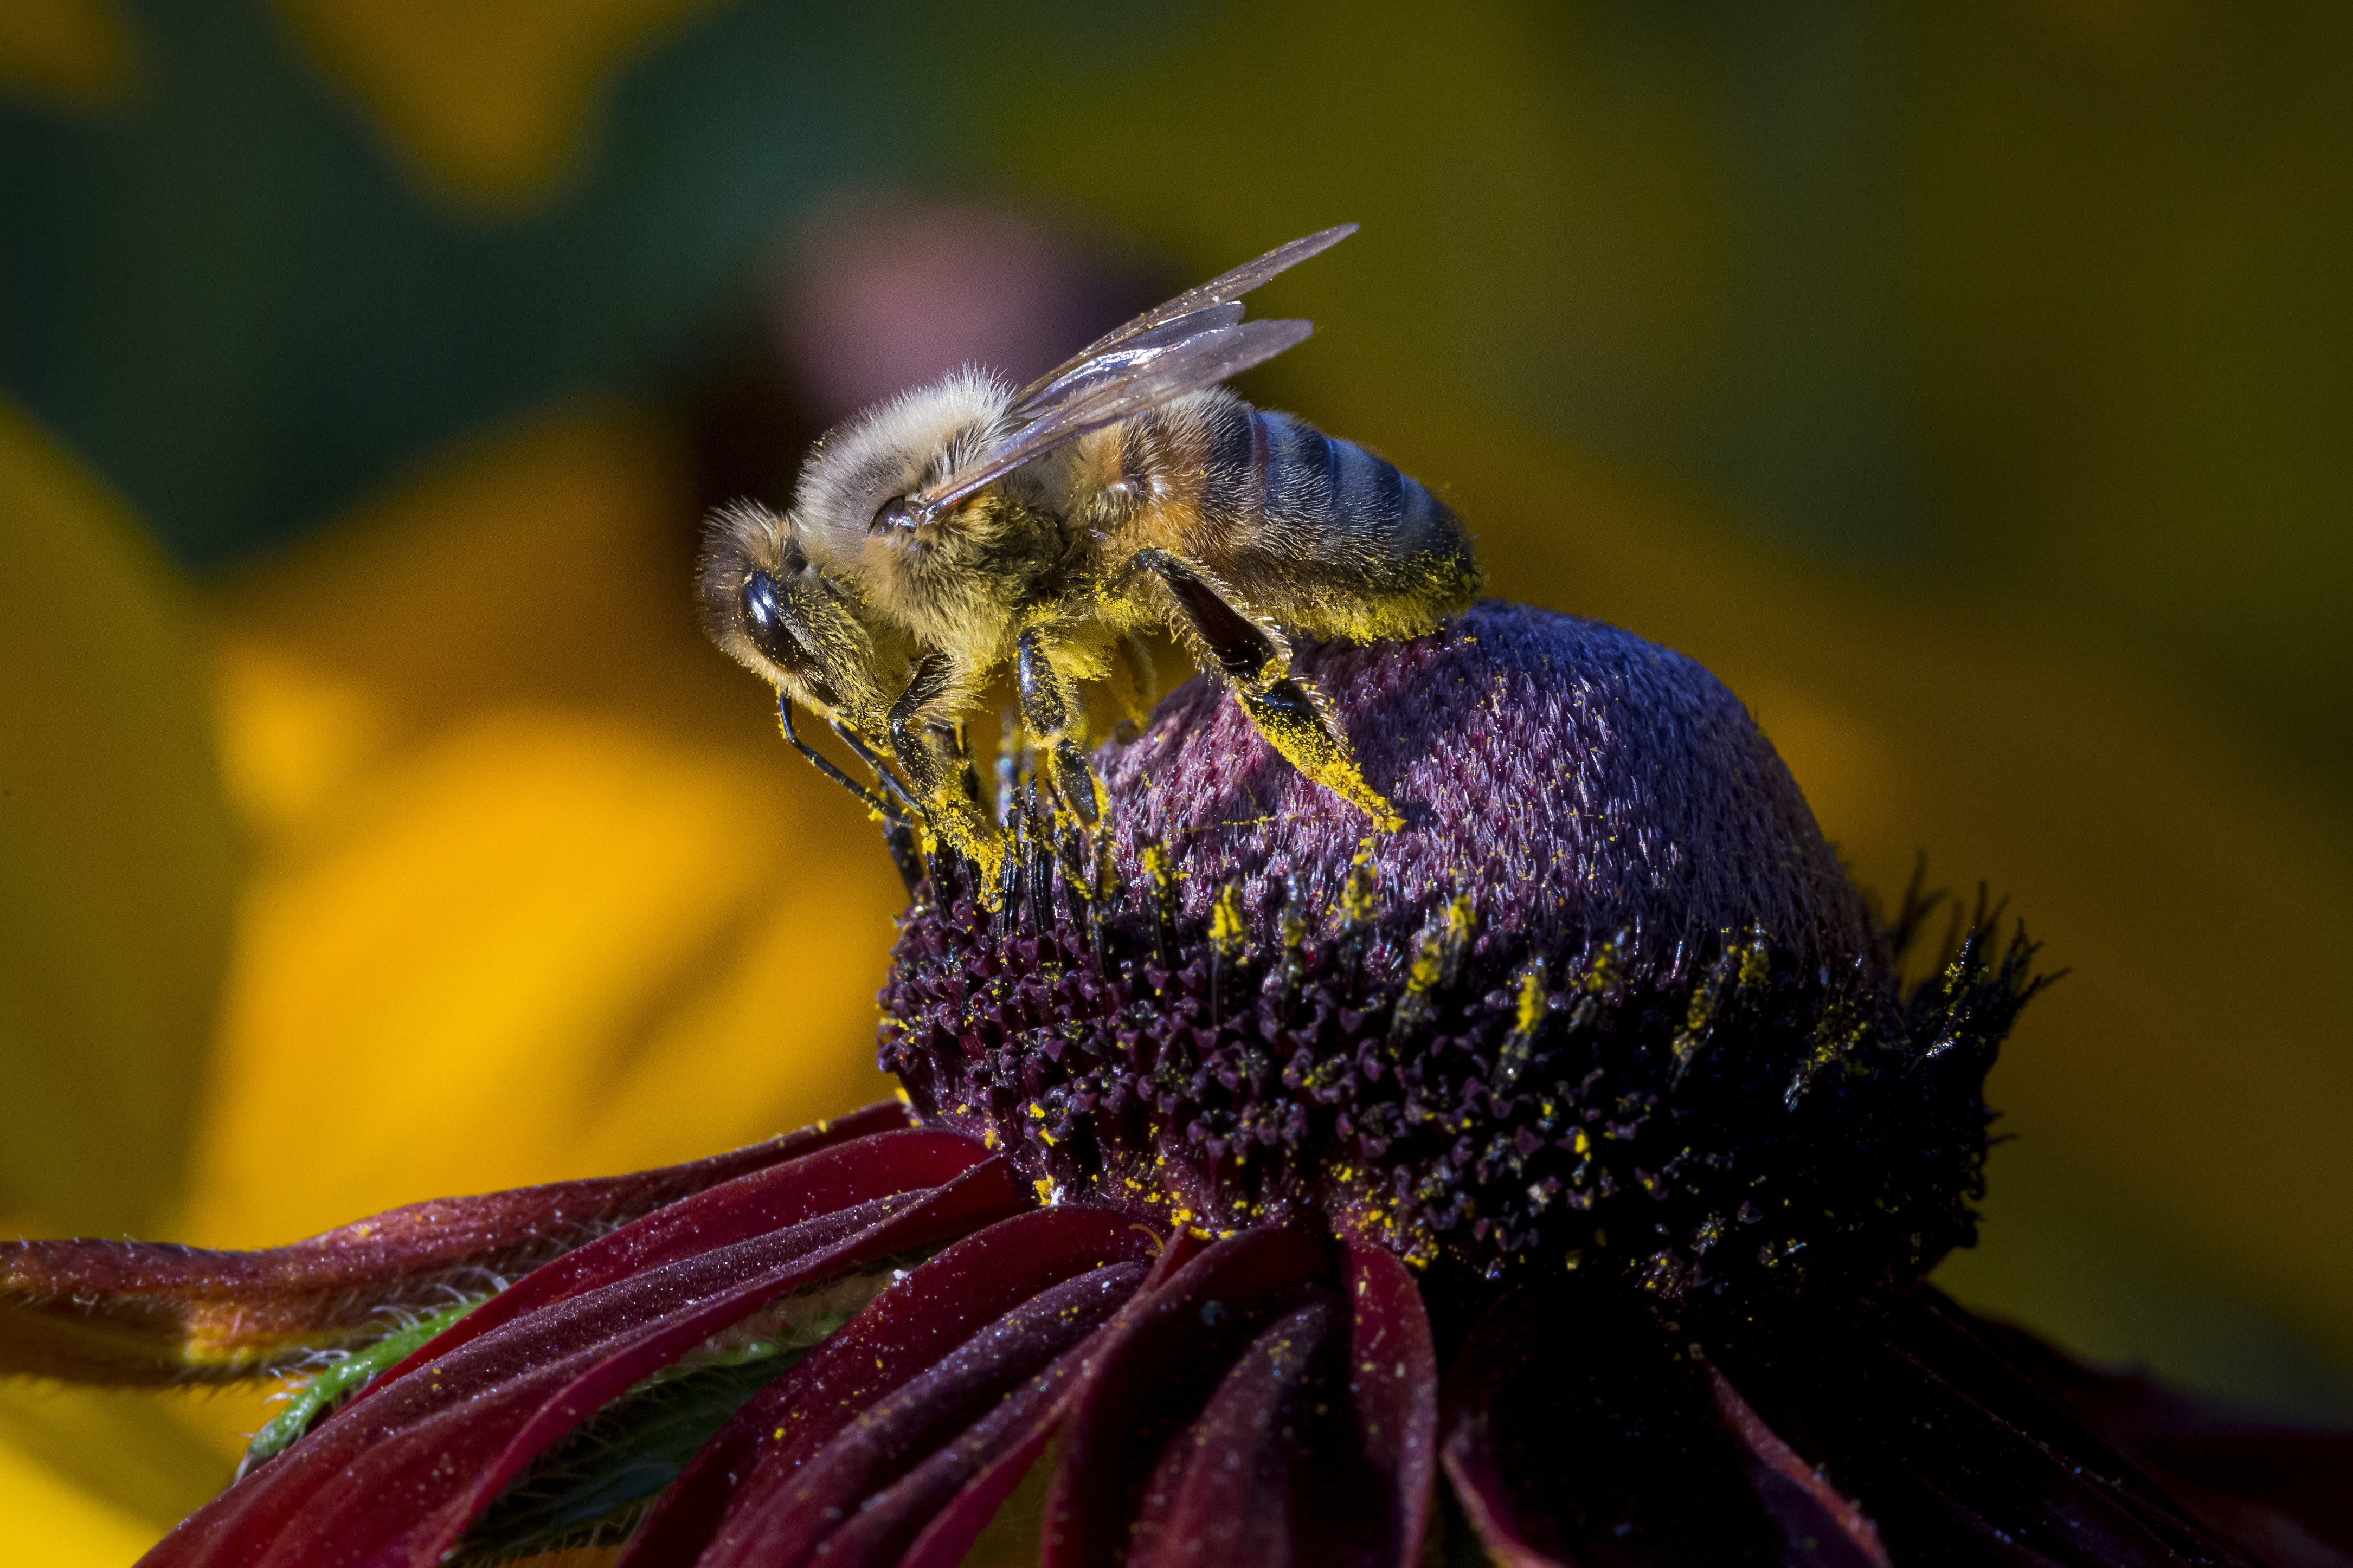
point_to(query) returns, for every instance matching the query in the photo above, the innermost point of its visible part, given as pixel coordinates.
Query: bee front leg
(951, 811)
(1051, 710)
(1257, 662)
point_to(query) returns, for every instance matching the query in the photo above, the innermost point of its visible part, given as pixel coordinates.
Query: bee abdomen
(1350, 499)
(1316, 533)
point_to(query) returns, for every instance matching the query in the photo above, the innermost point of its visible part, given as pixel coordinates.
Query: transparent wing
(1212, 296)
(1193, 340)
(1086, 375)
(1200, 360)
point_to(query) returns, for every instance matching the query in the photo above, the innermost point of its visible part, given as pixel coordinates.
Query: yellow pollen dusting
(1226, 928)
(1532, 1002)
(1356, 904)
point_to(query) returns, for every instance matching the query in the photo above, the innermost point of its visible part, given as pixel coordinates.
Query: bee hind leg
(1255, 662)
(938, 780)
(1050, 710)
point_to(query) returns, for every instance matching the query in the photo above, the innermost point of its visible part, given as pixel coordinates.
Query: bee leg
(1048, 707)
(949, 810)
(1257, 662)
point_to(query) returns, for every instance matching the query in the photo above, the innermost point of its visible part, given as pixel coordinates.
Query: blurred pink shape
(879, 294)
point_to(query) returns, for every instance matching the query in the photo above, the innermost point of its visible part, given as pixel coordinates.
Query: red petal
(1805, 1505)
(2263, 1480)
(1948, 1442)
(1221, 1495)
(106, 1311)
(1393, 1379)
(906, 1330)
(959, 1412)
(1249, 1412)
(396, 1480)
(944, 1541)
(1577, 1430)
(766, 1200)
(1164, 1361)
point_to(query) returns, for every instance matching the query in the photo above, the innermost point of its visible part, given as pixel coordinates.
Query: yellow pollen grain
(1532, 1002)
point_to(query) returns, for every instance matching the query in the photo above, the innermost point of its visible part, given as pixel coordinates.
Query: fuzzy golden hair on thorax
(895, 448)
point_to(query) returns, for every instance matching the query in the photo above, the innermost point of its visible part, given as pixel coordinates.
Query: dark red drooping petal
(1231, 1418)
(130, 1312)
(393, 1481)
(983, 1394)
(1147, 1385)
(2280, 1488)
(1805, 1505)
(1393, 1380)
(901, 1339)
(765, 1200)
(944, 1541)
(960, 1487)
(1579, 1430)
(1222, 1494)
(1948, 1442)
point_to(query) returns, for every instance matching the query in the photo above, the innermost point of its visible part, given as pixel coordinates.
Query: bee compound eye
(765, 623)
(894, 513)
(760, 606)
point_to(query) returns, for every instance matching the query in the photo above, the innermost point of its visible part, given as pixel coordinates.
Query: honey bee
(966, 524)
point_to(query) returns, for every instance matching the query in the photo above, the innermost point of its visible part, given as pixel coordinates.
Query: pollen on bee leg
(954, 819)
(1287, 716)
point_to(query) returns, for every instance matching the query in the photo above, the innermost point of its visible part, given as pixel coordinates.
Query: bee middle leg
(937, 775)
(1257, 663)
(1051, 710)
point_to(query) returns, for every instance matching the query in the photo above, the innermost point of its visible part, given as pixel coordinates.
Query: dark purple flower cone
(1572, 780)
(1607, 1001)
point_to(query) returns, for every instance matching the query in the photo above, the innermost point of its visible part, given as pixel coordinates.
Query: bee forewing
(1084, 376)
(1200, 361)
(1216, 292)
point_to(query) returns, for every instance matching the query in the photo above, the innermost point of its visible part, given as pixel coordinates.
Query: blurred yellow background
(1964, 388)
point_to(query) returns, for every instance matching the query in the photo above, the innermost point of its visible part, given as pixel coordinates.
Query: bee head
(767, 604)
(854, 486)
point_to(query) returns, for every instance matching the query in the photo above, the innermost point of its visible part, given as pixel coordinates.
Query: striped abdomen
(1321, 533)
